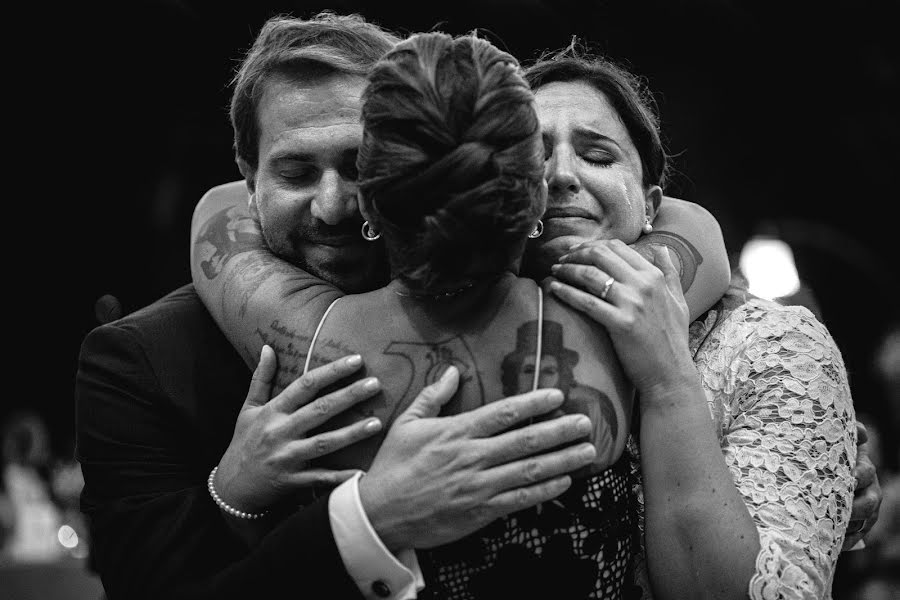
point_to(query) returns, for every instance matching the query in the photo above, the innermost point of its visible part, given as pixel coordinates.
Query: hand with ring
(640, 304)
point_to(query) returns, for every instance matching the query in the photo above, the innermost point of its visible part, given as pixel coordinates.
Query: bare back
(493, 340)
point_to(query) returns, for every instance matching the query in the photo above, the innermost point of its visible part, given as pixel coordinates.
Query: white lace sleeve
(789, 439)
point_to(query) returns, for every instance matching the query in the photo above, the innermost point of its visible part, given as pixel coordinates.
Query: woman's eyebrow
(593, 135)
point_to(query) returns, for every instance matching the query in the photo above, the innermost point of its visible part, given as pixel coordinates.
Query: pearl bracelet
(224, 505)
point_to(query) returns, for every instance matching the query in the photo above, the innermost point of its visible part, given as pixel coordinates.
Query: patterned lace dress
(576, 547)
(777, 390)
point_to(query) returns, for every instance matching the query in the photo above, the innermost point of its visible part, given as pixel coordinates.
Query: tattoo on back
(688, 256)
(557, 370)
(428, 361)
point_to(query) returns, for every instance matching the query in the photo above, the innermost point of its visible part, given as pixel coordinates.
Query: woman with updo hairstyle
(451, 181)
(451, 164)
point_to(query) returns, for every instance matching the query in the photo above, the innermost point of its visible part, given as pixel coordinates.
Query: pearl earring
(647, 228)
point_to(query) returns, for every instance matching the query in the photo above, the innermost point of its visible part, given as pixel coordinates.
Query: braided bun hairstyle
(451, 163)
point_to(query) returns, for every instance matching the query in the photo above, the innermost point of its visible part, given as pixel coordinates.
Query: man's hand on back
(437, 479)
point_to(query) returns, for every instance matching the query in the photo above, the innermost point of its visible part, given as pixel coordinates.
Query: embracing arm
(788, 441)
(255, 297)
(695, 242)
(155, 532)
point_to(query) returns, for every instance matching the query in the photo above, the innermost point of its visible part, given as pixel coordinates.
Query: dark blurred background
(783, 118)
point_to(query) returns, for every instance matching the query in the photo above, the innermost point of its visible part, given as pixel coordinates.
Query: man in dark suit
(171, 429)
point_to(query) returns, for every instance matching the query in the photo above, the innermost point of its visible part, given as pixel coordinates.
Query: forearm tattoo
(248, 274)
(228, 232)
(688, 256)
(292, 346)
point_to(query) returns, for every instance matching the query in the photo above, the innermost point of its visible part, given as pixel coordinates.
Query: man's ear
(363, 210)
(652, 199)
(248, 172)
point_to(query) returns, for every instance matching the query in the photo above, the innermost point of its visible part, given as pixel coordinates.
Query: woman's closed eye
(597, 158)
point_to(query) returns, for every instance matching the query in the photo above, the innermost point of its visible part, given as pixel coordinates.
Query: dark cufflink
(381, 589)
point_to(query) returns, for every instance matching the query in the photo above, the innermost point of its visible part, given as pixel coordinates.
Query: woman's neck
(460, 303)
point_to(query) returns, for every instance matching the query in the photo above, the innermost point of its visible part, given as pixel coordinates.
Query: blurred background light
(67, 536)
(768, 265)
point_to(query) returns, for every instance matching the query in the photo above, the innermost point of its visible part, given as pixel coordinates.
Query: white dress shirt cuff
(379, 574)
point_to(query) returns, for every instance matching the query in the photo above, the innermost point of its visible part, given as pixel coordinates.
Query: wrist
(378, 511)
(225, 505)
(672, 395)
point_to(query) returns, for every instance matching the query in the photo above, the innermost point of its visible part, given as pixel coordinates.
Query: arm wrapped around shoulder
(790, 442)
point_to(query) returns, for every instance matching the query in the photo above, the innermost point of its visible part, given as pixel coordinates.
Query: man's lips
(336, 241)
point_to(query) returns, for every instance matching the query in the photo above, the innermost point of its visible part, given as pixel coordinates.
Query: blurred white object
(36, 519)
(768, 265)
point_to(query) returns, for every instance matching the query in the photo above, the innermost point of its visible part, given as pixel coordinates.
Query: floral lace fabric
(577, 547)
(778, 392)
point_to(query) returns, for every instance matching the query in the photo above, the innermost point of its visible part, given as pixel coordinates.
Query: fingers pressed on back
(602, 256)
(592, 306)
(305, 388)
(526, 497)
(320, 410)
(537, 469)
(587, 278)
(535, 438)
(263, 377)
(504, 414)
(304, 449)
(430, 400)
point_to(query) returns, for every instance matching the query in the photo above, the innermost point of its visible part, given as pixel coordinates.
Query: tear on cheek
(626, 197)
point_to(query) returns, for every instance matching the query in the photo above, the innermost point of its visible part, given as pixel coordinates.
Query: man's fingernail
(555, 395)
(583, 424)
(587, 451)
(354, 361)
(373, 425)
(555, 286)
(371, 384)
(555, 268)
(263, 351)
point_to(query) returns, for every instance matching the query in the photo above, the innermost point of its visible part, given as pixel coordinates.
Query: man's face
(305, 184)
(593, 171)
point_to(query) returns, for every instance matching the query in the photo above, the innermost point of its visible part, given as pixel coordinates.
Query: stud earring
(538, 230)
(647, 228)
(368, 233)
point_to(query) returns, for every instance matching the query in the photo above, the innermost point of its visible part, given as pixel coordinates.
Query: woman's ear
(652, 199)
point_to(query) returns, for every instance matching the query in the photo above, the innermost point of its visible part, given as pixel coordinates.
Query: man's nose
(335, 199)
(559, 171)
